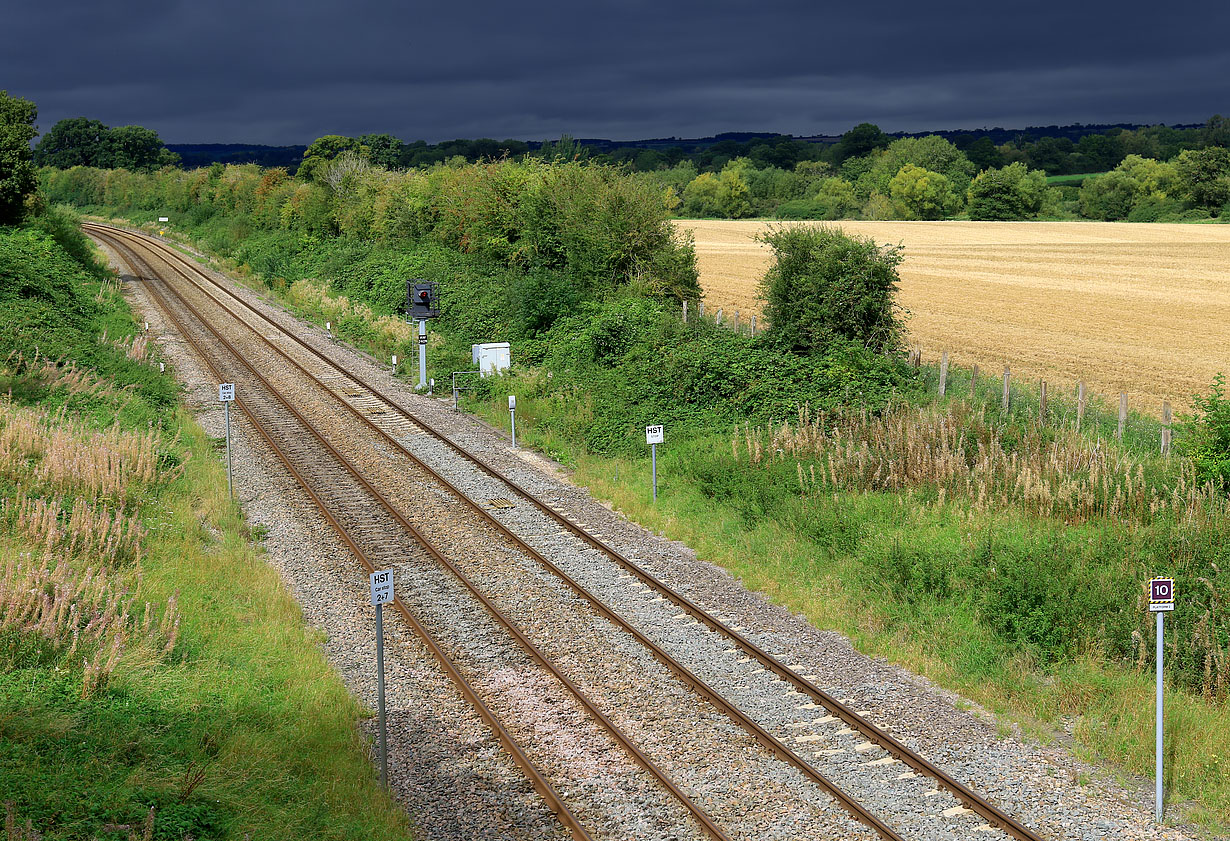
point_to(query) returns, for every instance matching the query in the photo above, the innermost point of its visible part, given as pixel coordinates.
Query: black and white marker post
(1161, 600)
(512, 417)
(226, 394)
(382, 594)
(653, 437)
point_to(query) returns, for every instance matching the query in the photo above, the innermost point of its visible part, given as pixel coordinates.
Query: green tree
(984, 154)
(931, 152)
(1098, 152)
(1202, 176)
(825, 286)
(858, 142)
(724, 195)
(837, 197)
(80, 141)
(322, 150)
(17, 174)
(138, 148)
(383, 150)
(1110, 197)
(1013, 192)
(919, 193)
(75, 141)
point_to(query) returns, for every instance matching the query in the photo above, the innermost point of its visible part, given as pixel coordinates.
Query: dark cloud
(234, 71)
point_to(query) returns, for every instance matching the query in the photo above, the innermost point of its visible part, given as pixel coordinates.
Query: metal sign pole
(230, 490)
(1158, 763)
(654, 437)
(653, 449)
(381, 583)
(512, 417)
(226, 394)
(384, 753)
(422, 353)
(1161, 600)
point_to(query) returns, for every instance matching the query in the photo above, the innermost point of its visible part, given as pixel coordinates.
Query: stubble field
(1141, 308)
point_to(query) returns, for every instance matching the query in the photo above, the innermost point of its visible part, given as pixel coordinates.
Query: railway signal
(422, 303)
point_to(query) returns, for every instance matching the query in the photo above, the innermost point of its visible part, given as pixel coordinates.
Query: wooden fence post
(736, 321)
(1166, 419)
(1042, 402)
(917, 358)
(1122, 415)
(685, 311)
(943, 373)
(717, 319)
(700, 309)
(753, 325)
(1007, 377)
(1080, 405)
(973, 384)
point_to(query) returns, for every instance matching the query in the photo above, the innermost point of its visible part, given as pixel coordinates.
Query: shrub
(1206, 436)
(1013, 192)
(826, 286)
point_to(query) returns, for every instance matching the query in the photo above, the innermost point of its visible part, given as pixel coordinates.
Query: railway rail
(386, 418)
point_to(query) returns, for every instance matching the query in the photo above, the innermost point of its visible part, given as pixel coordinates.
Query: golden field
(1141, 308)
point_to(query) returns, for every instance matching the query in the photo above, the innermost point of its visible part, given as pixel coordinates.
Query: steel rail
(706, 822)
(970, 799)
(698, 684)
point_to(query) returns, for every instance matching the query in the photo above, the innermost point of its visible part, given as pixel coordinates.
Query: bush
(1155, 209)
(825, 286)
(1013, 192)
(1206, 436)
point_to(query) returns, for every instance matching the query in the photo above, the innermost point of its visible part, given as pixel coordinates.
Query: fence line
(915, 361)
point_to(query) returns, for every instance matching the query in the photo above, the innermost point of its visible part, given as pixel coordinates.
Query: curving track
(327, 425)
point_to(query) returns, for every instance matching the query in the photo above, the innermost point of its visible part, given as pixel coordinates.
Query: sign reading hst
(653, 434)
(382, 586)
(1161, 594)
(226, 393)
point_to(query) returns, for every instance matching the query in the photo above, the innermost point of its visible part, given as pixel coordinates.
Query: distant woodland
(1116, 172)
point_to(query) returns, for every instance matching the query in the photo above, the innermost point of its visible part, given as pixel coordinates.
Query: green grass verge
(242, 730)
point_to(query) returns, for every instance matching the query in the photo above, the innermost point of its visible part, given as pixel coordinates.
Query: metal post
(653, 449)
(512, 418)
(422, 353)
(1158, 763)
(454, 391)
(394, 371)
(384, 755)
(230, 491)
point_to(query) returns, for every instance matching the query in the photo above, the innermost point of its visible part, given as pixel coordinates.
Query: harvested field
(1141, 308)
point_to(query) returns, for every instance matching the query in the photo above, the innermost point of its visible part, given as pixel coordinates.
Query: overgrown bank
(156, 680)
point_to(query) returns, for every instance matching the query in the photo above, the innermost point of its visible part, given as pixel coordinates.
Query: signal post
(422, 303)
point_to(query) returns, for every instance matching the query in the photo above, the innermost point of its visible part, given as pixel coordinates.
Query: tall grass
(56, 454)
(955, 451)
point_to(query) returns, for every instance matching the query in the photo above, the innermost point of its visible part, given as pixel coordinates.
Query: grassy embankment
(157, 680)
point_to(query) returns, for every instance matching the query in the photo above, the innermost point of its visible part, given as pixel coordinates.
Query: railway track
(387, 425)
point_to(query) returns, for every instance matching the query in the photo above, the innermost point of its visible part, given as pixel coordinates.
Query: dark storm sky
(286, 73)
